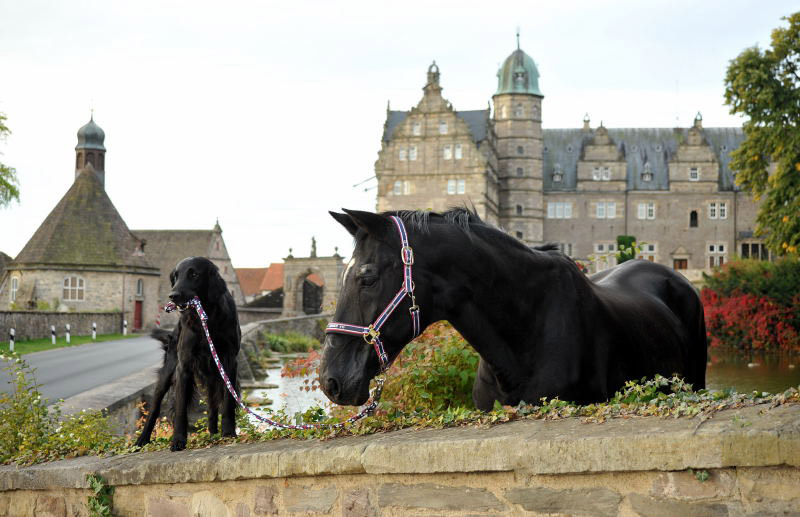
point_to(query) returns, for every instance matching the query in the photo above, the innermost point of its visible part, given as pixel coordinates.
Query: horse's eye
(368, 280)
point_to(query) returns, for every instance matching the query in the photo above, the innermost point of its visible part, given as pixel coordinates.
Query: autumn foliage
(752, 305)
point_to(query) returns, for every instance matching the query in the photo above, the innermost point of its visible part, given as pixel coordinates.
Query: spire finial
(91, 113)
(517, 37)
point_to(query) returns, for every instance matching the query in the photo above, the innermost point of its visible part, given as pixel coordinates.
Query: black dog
(186, 353)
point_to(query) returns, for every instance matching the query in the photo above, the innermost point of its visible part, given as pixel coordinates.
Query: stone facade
(672, 189)
(36, 324)
(297, 269)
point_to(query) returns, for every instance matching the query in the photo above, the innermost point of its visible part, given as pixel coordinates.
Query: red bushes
(750, 321)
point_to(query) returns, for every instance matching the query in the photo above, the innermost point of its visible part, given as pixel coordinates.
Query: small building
(83, 257)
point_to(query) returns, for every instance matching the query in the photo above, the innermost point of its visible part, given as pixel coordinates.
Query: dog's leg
(213, 390)
(228, 402)
(184, 387)
(165, 377)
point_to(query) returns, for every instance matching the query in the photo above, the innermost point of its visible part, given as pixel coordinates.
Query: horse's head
(371, 281)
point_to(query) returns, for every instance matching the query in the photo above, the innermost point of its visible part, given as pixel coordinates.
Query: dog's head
(196, 276)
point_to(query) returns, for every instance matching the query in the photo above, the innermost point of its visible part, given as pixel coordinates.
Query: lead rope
(367, 410)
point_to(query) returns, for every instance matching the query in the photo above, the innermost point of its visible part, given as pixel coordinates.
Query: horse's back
(653, 288)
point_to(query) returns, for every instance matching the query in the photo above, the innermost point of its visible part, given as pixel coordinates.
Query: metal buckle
(407, 255)
(371, 334)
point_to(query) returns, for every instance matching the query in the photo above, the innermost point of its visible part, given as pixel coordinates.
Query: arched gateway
(311, 284)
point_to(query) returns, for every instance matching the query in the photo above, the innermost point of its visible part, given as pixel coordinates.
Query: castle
(672, 189)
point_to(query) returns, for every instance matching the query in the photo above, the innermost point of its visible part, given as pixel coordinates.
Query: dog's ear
(172, 276)
(216, 285)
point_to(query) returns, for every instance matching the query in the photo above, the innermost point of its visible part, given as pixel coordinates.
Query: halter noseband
(372, 333)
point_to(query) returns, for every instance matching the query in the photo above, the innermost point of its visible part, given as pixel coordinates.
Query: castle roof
(640, 147)
(91, 136)
(84, 229)
(477, 122)
(518, 74)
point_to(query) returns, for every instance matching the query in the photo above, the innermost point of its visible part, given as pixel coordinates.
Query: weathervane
(517, 37)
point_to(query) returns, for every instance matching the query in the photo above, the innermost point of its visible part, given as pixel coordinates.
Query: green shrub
(290, 342)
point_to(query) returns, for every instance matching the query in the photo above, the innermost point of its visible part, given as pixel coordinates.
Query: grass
(39, 345)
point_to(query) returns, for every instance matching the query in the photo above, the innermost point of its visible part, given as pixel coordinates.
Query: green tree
(764, 86)
(9, 188)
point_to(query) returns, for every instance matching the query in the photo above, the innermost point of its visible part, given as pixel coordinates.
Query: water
(289, 394)
(757, 371)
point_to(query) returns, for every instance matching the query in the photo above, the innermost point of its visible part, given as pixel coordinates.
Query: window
(647, 175)
(402, 188)
(717, 254)
(694, 174)
(14, 288)
(519, 209)
(140, 287)
(412, 153)
(520, 150)
(755, 250)
(693, 219)
(416, 129)
(680, 264)
(566, 248)
(605, 255)
(606, 210)
(520, 172)
(73, 288)
(216, 245)
(458, 151)
(442, 127)
(519, 235)
(519, 111)
(447, 152)
(648, 252)
(596, 174)
(718, 210)
(606, 175)
(601, 174)
(401, 154)
(461, 186)
(559, 210)
(456, 187)
(646, 210)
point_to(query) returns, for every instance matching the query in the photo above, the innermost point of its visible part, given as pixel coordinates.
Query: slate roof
(656, 146)
(84, 229)
(477, 121)
(168, 247)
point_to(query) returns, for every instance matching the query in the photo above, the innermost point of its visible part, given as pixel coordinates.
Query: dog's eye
(193, 274)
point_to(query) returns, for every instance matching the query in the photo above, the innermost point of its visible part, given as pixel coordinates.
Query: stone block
(160, 507)
(778, 483)
(264, 503)
(355, 503)
(305, 499)
(206, 504)
(684, 485)
(242, 510)
(50, 506)
(644, 506)
(590, 501)
(436, 497)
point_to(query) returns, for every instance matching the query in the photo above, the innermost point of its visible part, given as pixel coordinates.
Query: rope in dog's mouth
(369, 409)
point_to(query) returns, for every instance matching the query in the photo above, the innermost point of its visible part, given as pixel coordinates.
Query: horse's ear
(372, 223)
(345, 221)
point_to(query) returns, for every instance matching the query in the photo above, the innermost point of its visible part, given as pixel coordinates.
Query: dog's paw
(178, 444)
(142, 441)
(231, 433)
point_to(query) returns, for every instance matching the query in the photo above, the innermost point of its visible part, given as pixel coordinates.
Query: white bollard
(67, 334)
(53, 334)
(11, 334)
(94, 331)
(124, 327)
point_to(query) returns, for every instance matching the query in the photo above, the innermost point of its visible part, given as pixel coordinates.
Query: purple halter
(372, 333)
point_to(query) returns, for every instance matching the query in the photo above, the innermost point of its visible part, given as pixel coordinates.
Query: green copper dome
(91, 136)
(518, 74)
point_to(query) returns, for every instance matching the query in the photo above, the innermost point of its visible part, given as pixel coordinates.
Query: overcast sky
(264, 114)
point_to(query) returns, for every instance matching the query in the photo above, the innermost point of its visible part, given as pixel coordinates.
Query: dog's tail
(165, 336)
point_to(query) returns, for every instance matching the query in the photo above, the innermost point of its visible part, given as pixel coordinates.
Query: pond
(759, 371)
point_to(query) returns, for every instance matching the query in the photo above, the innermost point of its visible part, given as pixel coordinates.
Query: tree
(765, 87)
(9, 188)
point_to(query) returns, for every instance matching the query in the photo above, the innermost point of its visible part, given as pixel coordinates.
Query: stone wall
(253, 314)
(741, 462)
(35, 325)
(313, 325)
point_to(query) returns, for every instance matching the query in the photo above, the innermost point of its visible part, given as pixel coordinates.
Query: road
(64, 372)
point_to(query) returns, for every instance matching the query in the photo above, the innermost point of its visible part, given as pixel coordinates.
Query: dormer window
(647, 174)
(519, 77)
(416, 129)
(442, 127)
(694, 174)
(558, 174)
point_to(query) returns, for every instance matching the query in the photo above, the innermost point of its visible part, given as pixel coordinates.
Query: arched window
(217, 245)
(73, 288)
(519, 111)
(140, 287)
(90, 158)
(519, 209)
(14, 288)
(693, 219)
(78, 160)
(100, 161)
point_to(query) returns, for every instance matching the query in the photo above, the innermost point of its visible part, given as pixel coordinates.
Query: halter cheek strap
(372, 333)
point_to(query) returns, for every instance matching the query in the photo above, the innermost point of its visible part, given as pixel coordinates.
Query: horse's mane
(467, 220)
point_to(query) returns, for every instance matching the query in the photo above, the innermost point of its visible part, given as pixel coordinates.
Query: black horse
(541, 327)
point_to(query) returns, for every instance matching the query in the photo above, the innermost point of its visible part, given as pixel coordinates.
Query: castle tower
(91, 151)
(518, 129)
